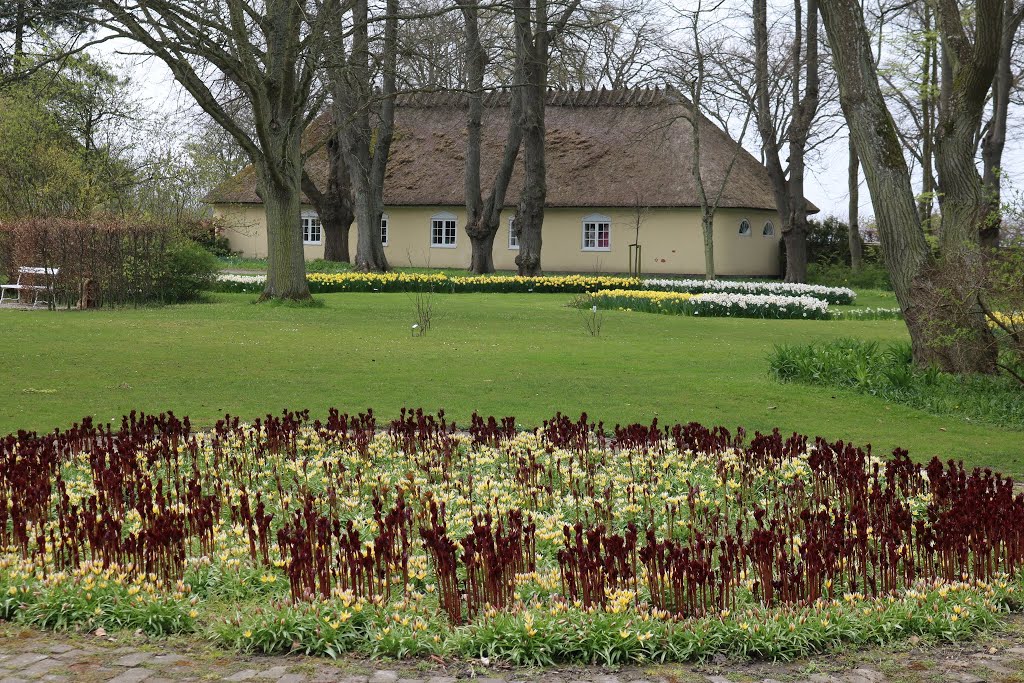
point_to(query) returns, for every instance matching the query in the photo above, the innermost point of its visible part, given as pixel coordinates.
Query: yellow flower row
(398, 281)
(648, 295)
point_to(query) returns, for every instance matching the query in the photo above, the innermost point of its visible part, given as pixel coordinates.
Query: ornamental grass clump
(573, 542)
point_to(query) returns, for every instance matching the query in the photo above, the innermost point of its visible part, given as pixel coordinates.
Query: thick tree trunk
(944, 326)
(855, 240)
(788, 185)
(529, 218)
(707, 223)
(483, 217)
(336, 228)
(482, 258)
(366, 145)
(796, 252)
(368, 210)
(334, 204)
(533, 40)
(286, 267)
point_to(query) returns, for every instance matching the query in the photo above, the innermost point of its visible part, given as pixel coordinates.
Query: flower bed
(868, 314)
(708, 305)
(572, 284)
(568, 543)
(440, 282)
(833, 295)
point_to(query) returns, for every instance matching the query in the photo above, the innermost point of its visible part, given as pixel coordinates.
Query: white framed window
(384, 229)
(443, 231)
(513, 238)
(597, 233)
(312, 229)
(768, 230)
(744, 228)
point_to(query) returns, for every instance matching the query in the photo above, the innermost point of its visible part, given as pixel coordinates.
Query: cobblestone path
(27, 655)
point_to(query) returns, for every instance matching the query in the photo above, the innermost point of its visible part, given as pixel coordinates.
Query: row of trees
(263, 71)
(945, 70)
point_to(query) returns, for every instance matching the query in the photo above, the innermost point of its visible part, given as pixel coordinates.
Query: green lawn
(501, 354)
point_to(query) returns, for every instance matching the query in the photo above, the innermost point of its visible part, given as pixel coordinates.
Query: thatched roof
(605, 148)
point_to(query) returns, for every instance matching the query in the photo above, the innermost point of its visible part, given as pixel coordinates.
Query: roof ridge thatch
(591, 97)
(605, 148)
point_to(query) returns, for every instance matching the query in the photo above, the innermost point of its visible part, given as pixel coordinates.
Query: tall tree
(21, 21)
(788, 183)
(269, 50)
(993, 142)
(695, 66)
(368, 116)
(483, 215)
(953, 336)
(333, 201)
(535, 30)
(908, 60)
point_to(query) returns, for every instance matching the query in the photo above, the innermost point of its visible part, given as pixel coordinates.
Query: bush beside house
(109, 261)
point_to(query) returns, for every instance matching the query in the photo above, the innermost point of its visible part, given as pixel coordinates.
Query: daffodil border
(711, 305)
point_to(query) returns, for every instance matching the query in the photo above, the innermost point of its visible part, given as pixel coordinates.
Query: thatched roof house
(612, 156)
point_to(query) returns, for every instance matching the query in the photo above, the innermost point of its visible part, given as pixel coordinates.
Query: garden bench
(28, 281)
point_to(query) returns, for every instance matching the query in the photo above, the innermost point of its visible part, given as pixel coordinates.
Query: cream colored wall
(671, 240)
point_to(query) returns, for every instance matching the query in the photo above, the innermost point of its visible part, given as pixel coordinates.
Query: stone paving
(27, 655)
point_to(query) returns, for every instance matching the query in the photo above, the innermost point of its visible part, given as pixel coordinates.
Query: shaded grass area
(887, 371)
(501, 354)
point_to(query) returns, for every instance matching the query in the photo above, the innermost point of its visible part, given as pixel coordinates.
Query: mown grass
(501, 354)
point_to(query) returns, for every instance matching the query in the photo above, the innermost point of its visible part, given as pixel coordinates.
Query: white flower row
(793, 306)
(834, 295)
(868, 313)
(242, 279)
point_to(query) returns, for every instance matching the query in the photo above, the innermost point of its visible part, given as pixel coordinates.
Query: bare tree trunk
(286, 274)
(707, 224)
(855, 240)
(994, 140)
(929, 74)
(369, 124)
(482, 257)
(534, 34)
(953, 337)
(333, 204)
(483, 217)
(530, 216)
(788, 187)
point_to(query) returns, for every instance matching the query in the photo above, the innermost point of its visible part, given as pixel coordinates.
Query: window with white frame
(597, 233)
(312, 230)
(513, 238)
(744, 228)
(384, 229)
(443, 231)
(768, 230)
